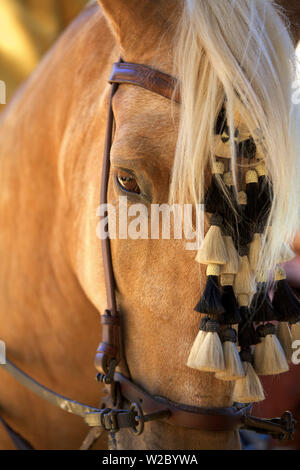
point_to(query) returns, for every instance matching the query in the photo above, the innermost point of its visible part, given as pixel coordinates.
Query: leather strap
(164, 85)
(205, 419)
(141, 75)
(145, 408)
(66, 404)
(105, 243)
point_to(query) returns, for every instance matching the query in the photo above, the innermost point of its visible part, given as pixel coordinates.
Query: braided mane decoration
(236, 293)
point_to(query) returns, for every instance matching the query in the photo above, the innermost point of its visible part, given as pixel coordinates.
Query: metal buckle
(138, 428)
(279, 428)
(109, 377)
(109, 420)
(112, 420)
(141, 419)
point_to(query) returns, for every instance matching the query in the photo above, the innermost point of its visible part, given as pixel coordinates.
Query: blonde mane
(238, 48)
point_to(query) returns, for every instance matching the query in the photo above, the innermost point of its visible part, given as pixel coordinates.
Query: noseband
(127, 405)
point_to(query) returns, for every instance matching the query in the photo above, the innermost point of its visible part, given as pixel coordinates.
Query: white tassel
(269, 357)
(243, 283)
(213, 249)
(233, 264)
(233, 366)
(207, 352)
(248, 389)
(192, 359)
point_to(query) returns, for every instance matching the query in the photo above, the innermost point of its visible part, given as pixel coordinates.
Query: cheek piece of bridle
(128, 406)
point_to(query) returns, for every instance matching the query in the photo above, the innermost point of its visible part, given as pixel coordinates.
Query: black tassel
(285, 303)
(232, 313)
(221, 123)
(264, 200)
(229, 208)
(244, 234)
(246, 355)
(247, 149)
(261, 307)
(214, 197)
(252, 191)
(246, 332)
(210, 302)
(265, 194)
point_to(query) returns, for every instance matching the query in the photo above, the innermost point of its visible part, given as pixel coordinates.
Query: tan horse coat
(51, 273)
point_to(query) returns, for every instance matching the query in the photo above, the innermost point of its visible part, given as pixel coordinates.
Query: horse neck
(40, 289)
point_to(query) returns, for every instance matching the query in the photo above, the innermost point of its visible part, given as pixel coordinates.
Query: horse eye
(128, 182)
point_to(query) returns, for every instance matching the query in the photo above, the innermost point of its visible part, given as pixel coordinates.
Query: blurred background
(28, 28)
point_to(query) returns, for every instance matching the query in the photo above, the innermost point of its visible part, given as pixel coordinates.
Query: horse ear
(139, 25)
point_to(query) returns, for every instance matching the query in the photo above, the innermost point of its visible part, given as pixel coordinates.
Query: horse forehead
(145, 119)
(133, 101)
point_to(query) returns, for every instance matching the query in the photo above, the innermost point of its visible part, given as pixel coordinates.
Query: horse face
(158, 280)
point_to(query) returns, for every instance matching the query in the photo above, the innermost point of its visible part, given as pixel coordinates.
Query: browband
(141, 75)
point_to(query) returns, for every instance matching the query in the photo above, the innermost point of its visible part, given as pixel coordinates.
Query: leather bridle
(128, 405)
(109, 353)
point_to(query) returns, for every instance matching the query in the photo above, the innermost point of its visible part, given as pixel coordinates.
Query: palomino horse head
(160, 153)
(160, 149)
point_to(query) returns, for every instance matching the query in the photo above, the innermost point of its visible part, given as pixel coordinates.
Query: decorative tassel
(207, 352)
(210, 302)
(247, 149)
(269, 357)
(233, 264)
(221, 123)
(243, 236)
(254, 252)
(261, 307)
(252, 191)
(228, 300)
(213, 249)
(247, 335)
(230, 209)
(248, 389)
(243, 283)
(285, 339)
(265, 194)
(233, 366)
(285, 304)
(214, 195)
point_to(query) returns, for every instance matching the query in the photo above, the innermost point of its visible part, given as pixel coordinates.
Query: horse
(51, 275)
